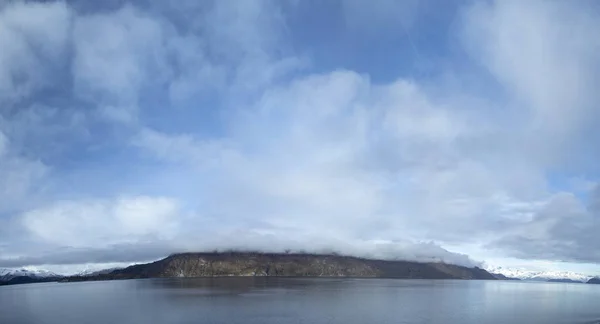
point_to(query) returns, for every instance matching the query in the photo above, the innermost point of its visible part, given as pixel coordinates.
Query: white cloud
(545, 54)
(21, 180)
(32, 37)
(315, 164)
(115, 55)
(3, 144)
(212, 100)
(195, 73)
(300, 242)
(21, 177)
(563, 228)
(103, 222)
(183, 148)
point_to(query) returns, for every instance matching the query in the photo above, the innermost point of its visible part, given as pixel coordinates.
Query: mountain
(20, 276)
(286, 265)
(88, 273)
(500, 276)
(595, 280)
(7, 274)
(565, 280)
(25, 279)
(539, 275)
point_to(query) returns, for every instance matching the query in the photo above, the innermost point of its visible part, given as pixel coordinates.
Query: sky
(455, 131)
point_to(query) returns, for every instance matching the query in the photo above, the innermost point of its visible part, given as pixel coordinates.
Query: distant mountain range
(89, 273)
(7, 274)
(262, 264)
(552, 276)
(20, 276)
(290, 265)
(565, 280)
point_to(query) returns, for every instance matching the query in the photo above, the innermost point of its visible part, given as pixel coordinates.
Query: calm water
(278, 300)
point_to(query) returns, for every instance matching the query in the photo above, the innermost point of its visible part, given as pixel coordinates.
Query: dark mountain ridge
(218, 264)
(564, 280)
(27, 279)
(595, 280)
(500, 276)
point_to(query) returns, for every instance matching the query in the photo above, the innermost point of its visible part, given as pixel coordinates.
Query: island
(221, 264)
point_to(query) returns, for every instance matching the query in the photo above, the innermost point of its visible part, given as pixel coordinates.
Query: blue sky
(462, 131)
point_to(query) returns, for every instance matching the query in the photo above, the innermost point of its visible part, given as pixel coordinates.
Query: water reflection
(299, 300)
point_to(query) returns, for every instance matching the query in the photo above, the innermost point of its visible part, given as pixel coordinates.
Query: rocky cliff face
(290, 265)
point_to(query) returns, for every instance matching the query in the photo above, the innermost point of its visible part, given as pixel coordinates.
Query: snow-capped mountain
(7, 274)
(538, 275)
(92, 272)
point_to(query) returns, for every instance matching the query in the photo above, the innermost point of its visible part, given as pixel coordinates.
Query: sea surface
(299, 300)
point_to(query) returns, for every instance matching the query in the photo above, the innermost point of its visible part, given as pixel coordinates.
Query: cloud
(21, 177)
(563, 229)
(115, 253)
(100, 222)
(131, 131)
(116, 54)
(543, 54)
(302, 243)
(336, 156)
(242, 241)
(30, 48)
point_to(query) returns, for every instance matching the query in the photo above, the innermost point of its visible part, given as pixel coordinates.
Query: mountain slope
(565, 280)
(500, 276)
(21, 276)
(87, 273)
(8, 274)
(594, 281)
(288, 265)
(25, 279)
